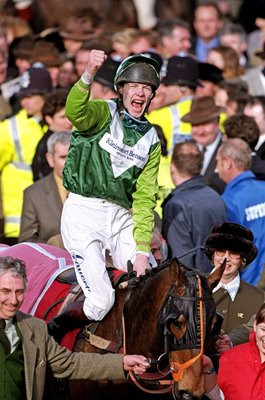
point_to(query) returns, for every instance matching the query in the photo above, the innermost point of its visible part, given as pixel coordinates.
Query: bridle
(174, 369)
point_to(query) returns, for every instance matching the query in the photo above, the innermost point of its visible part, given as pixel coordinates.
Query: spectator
(19, 137)
(191, 210)
(225, 58)
(255, 108)
(243, 127)
(234, 243)
(30, 351)
(53, 112)
(43, 201)
(207, 24)
(47, 54)
(114, 136)
(204, 119)
(67, 75)
(255, 76)
(244, 198)
(210, 76)
(177, 87)
(78, 29)
(234, 35)
(241, 371)
(174, 37)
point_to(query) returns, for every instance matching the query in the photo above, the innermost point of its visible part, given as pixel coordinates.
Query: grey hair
(16, 266)
(62, 137)
(239, 151)
(233, 29)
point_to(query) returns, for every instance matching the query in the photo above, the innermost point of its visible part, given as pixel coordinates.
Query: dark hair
(260, 316)
(54, 101)
(210, 4)
(187, 158)
(242, 127)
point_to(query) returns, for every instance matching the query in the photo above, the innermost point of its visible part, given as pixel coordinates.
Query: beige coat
(41, 351)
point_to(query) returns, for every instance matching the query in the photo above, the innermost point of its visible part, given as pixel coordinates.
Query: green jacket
(113, 156)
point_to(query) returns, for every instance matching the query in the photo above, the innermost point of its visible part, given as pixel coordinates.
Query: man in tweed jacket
(32, 351)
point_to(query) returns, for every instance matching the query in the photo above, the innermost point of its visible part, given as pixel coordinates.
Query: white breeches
(89, 226)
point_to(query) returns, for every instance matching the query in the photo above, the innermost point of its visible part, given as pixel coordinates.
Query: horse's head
(185, 320)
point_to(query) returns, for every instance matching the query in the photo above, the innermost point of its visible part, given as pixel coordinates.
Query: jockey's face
(136, 97)
(12, 290)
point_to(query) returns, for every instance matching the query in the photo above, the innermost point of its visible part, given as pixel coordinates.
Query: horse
(167, 316)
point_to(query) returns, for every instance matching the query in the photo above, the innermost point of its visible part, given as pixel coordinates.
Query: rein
(148, 376)
(175, 369)
(178, 368)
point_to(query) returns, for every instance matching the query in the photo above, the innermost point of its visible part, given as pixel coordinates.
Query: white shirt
(231, 287)
(209, 152)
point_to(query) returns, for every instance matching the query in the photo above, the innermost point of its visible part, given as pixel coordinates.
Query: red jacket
(241, 374)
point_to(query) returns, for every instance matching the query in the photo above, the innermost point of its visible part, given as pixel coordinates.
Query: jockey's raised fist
(95, 60)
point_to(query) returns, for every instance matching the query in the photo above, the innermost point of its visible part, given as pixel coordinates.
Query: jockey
(111, 175)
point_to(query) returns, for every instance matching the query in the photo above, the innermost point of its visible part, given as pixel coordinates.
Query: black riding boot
(73, 317)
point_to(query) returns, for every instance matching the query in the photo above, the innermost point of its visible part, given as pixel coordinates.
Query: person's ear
(255, 326)
(49, 158)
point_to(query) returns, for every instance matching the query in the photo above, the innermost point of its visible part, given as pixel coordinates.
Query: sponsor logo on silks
(78, 260)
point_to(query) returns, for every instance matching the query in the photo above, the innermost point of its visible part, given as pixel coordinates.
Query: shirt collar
(231, 287)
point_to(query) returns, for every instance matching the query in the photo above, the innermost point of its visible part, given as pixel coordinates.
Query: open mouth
(137, 104)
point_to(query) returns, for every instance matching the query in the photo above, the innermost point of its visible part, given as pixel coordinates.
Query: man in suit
(204, 118)
(43, 201)
(255, 108)
(27, 351)
(191, 210)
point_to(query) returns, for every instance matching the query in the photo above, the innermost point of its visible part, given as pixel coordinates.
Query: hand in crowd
(223, 343)
(135, 363)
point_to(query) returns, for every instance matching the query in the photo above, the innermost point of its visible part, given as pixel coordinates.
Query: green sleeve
(144, 201)
(86, 116)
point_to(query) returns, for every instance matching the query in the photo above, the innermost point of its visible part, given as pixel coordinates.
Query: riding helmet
(140, 69)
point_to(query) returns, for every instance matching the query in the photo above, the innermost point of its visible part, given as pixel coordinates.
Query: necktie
(3, 337)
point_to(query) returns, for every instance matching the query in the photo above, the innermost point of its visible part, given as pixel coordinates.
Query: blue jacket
(245, 200)
(189, 213)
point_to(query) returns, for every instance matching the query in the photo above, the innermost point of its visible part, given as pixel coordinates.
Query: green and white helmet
(140, 69)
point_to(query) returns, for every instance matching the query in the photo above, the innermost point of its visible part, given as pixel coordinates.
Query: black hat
(182, 71)
(154, 56)
(106, 73)
(35, 80)
(233, 237)
(209, 72)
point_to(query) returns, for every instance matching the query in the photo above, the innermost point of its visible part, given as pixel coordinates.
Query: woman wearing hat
(234, 243)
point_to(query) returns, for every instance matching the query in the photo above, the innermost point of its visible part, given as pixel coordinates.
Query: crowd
(141, 138)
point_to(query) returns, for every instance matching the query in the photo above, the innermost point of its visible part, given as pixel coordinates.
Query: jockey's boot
(73, 317)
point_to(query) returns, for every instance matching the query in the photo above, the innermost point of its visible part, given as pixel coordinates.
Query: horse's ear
(175, 271)
(216, 275)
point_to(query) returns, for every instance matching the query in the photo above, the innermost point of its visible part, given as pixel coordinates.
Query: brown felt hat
(46, 53)
(78, 28)
(203, 109)
(233, 237)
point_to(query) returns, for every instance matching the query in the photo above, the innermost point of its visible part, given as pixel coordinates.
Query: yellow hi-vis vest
(19, 136)
(175, 131)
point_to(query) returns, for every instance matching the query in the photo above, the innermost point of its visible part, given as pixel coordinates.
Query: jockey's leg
(122, 244)
(83, 231)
